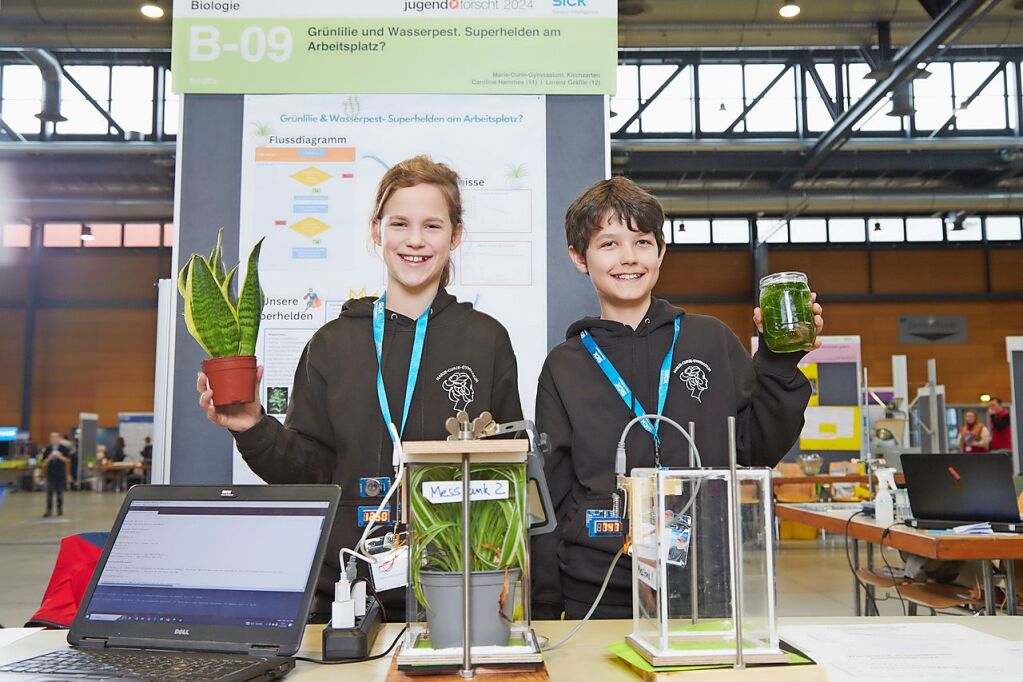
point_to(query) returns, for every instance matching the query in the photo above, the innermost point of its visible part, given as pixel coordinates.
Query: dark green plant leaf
(217, 258)
(250, 303)
(209, 315)
(228, 289)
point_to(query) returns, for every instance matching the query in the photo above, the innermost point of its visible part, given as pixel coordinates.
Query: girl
(435, 356)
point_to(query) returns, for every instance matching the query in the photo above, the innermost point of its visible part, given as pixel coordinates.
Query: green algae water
(788, 312)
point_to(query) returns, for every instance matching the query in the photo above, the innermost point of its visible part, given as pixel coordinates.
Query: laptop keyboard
(140, 665)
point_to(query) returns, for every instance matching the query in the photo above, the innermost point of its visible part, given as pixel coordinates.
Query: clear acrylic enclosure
(498, 548)
(681, 523)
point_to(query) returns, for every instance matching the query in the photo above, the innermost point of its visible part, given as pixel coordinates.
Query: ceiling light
(87, 235)
(152, 9)
(984, 397)
(722, 107)
(789, 10)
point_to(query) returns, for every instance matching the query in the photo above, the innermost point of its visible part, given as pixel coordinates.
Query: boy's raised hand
(818, 319)
(234, 417)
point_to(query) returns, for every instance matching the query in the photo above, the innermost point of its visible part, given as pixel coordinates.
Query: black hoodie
(334, 432)
(713, 377)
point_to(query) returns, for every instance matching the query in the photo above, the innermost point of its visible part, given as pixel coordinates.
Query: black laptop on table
(950, 490)
(197, 583)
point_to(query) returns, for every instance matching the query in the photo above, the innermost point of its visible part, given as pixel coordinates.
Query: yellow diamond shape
(310, 227)
(311, 176)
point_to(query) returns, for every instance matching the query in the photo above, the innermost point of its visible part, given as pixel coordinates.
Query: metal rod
(694, 582)
(932, 392)
(467, 671)
(1010, 587)
(857, 609)
(990, 607)
(735, 543)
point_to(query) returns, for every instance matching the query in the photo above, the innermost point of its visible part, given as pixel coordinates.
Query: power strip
(355, 642)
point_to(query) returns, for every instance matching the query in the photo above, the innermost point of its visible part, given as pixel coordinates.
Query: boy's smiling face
(622, 264)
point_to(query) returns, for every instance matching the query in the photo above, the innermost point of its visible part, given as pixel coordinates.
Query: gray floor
(813, 577)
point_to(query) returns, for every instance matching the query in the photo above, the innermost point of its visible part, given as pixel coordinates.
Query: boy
(614, 236)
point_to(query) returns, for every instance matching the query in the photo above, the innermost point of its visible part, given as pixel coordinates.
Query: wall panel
(705, 273)
(92, 360)
(12, 334)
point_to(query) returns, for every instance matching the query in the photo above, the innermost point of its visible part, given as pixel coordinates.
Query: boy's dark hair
(620, 197)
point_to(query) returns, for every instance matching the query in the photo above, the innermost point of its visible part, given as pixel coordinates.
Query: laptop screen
(225, 562)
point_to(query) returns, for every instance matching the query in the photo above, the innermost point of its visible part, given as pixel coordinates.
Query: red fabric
(76, 560)
(969, 436)
(1001, 439)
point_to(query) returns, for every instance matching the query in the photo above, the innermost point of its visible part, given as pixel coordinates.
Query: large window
(124, 92)
(104, 235)
(887, 230)
(963, 95)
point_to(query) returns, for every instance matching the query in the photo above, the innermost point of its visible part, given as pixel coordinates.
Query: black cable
(319, 661)
(891, 573)
(848, 559)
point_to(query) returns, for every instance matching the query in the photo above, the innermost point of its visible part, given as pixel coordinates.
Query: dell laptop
(950, 490)
(197, 583)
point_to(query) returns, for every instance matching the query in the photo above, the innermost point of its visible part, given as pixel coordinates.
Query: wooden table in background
(117, 472)
(944, 546)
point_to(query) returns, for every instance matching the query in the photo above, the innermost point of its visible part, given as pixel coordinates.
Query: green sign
(444, 46)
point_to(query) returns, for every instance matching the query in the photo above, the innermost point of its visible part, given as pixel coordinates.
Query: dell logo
(181, 631)
(227, 493)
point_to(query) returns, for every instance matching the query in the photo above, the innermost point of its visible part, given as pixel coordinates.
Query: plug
(342, 611)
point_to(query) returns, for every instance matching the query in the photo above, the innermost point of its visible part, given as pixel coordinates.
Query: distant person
(147, 451)
(117, 453)
(1001, 426)
(56, 459)
(973, 435)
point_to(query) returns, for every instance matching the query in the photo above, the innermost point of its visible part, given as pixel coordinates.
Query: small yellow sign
(310, 227)
(311, 176)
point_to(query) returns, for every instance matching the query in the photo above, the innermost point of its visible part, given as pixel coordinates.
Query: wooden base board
(725, 658)
(496, 674)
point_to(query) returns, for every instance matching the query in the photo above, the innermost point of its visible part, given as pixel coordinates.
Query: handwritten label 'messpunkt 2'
(440, 492)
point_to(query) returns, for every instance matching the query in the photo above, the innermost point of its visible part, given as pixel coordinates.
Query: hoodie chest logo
(459, 383)
(695, 375)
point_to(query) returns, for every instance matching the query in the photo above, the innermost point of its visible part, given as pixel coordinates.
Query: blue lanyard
(623, 388)
(413, 367)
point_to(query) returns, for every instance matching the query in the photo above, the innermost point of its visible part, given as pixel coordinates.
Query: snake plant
(223, 322)
(497, 532)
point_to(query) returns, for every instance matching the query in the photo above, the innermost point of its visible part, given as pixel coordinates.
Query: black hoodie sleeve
(771, 395)
(295, 452)
(552, 419)
(505, 405)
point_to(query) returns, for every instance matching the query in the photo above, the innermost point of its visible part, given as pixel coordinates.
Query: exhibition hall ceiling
(63, 24)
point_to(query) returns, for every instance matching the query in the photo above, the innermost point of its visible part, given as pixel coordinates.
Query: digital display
(8, 433)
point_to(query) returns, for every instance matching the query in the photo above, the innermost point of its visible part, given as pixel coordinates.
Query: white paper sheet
(935, 652)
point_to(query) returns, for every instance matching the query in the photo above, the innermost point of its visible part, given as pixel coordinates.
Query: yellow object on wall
(810, 370)
(831, 428)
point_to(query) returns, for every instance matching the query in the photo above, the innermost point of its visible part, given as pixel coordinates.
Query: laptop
(950, 490)
(198, 583)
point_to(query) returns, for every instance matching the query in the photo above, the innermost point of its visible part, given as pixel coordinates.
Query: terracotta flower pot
(233, 379)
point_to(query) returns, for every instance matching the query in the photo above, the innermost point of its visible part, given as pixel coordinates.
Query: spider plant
(497, 532)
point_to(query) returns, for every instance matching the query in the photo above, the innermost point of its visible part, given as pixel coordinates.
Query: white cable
(398, 456)
(620, 470)
(620, 452)
(607, 578)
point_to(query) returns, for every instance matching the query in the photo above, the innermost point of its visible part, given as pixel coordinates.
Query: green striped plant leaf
(217, 258)
(228, 290)
(250, 303)
(209, 315)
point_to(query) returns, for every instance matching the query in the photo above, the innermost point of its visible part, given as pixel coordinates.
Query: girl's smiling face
(416, 235)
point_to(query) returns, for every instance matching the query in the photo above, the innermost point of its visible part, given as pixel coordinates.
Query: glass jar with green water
(788, 312)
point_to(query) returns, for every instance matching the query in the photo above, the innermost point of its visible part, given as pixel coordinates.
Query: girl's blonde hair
(422, 170)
